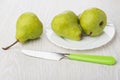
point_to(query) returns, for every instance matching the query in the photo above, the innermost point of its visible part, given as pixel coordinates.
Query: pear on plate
(66, 25)
(28, 27)
(93, 21)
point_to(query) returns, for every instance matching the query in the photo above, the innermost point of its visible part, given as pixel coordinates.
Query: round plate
(86, 43)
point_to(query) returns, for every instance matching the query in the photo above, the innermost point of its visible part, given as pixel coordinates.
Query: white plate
(84, 44)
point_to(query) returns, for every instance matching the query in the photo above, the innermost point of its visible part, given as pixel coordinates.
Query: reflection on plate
(84, 44)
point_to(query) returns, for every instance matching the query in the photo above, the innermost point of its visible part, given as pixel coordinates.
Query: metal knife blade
(42, 54)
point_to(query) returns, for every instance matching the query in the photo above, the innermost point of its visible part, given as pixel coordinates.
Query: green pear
(28, 27)
(93, 21)
(66, 25)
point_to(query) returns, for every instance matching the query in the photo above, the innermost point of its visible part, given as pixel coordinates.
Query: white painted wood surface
(16, 66)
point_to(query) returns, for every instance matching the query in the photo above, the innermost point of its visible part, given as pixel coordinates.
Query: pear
(28, 27)
(66, 25)
(93, 21)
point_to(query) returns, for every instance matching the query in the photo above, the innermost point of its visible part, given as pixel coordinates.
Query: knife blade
(108, 60)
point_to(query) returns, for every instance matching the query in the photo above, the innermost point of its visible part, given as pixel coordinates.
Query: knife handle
(108, 60)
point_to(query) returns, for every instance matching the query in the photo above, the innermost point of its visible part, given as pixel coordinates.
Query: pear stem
(6, 48)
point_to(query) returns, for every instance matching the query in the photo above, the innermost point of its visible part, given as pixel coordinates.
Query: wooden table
(14, 65)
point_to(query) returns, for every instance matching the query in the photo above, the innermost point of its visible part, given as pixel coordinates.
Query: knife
(107, 60)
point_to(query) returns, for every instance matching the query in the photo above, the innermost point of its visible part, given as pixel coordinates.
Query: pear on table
(93, 21)
(28, 27)
(66, 25)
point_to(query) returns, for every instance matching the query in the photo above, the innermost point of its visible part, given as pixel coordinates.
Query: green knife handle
(108, 60)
